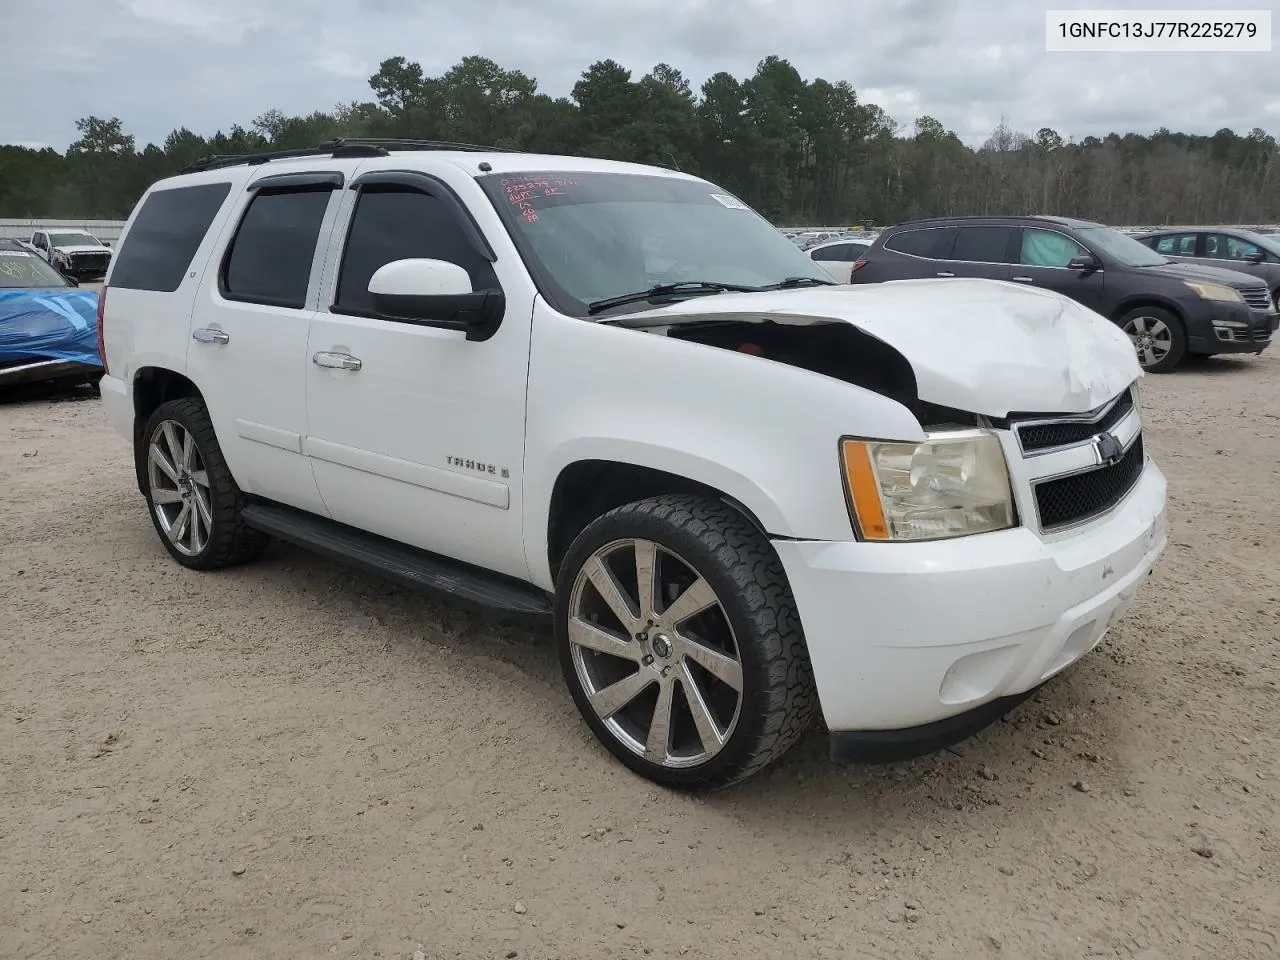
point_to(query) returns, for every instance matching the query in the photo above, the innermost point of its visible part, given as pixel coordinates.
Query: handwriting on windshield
(524, 194)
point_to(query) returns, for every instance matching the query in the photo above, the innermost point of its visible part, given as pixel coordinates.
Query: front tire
(680, 642)
(193, 500)
(1158, 337)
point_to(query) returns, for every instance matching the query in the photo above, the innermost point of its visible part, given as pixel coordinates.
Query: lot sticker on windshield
(523, 193)
(14, 253)
(733, 203)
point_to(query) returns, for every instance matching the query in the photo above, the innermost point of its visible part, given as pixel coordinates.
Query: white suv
(615, 395)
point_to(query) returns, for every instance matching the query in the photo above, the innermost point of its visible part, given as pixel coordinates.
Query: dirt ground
(290, 760)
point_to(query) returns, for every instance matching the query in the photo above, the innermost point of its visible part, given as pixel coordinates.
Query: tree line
(798, 151)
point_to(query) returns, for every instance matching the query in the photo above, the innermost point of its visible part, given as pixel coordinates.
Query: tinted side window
(982, 244)
(919, 243)
(399, 223)
(165, 235)
(835, 252)
(270, 256)
(1175, 245)
(1048, 248)
(1223, 247)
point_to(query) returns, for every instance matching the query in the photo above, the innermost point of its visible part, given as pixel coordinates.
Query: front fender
(761, 432)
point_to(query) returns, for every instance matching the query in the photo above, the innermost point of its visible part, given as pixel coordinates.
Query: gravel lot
(289, 760)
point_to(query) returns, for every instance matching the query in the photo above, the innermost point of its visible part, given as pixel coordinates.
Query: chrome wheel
(655, 653)
(179, 487)
(1151, 338)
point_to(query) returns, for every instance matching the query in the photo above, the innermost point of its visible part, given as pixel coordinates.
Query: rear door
(907, 254)
(980, 250)
(248, 347)
(1183, 247)
(1043, 255)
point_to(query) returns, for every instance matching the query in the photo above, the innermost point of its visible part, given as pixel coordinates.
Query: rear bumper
(907, 635)
(118, 405)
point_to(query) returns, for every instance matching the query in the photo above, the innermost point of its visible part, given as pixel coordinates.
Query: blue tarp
(49, 324)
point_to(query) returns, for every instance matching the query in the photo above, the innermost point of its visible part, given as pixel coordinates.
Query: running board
(399, 562)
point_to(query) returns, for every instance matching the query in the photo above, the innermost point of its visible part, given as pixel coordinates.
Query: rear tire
(1159, 339)
(692, 701)
(192, 498)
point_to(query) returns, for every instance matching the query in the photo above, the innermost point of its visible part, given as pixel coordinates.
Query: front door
(414, 432)
(248, 348)
(1042, 261)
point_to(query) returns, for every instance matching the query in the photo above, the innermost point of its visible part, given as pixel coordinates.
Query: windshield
(73, 240)
(588, 237)
(21, 269)
(1121, 247)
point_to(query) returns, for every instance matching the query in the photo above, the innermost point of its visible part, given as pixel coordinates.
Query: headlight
(952, 485)
(1215, 291)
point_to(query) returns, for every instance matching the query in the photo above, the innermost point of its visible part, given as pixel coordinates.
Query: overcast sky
(206, 64)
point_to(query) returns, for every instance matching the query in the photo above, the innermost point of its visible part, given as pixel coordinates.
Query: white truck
(616, 396)
(77, 253)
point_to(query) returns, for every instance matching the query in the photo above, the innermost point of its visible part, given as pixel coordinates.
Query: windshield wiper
(790, 283)
(667, 289)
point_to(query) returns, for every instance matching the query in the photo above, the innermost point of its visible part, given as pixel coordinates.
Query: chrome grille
(1039, 436)
(1063, 501)
(1257, 298)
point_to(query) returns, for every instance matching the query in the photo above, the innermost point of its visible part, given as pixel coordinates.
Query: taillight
(102, 350)
(857, 265)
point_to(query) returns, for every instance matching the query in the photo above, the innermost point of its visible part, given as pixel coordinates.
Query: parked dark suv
(1168, 309)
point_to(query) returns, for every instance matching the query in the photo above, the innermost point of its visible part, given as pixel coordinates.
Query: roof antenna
(674, 164)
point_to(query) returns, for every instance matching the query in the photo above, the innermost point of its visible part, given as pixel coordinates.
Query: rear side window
(399, 223)
(1175, 245)
(270, 257)
(983, 244)
(837, 252)
(919, 243)
(165, 235)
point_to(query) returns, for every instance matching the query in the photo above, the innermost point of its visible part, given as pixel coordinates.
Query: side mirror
(436, 293)
(1254, 257)
(1084, 262)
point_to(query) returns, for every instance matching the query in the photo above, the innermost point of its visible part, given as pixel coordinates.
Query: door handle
(336, 361)
(1023, 279)
(209, 335)
(945, 273)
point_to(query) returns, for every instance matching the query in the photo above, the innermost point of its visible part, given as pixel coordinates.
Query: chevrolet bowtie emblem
(1107, 448)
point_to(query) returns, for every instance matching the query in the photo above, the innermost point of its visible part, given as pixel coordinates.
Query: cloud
(161, 64)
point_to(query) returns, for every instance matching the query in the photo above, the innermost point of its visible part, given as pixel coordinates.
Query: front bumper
(904, 635)
(1214, 327)
(91, 268)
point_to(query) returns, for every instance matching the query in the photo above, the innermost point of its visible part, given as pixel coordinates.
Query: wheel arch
(1149, 300)
(152, 386)
(590, 487)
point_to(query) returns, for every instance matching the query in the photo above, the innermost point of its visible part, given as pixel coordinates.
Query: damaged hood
(985, 346)
(81, 248)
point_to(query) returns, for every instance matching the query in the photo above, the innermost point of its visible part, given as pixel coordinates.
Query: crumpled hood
(984, 346)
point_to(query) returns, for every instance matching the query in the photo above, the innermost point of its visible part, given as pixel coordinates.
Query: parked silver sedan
(1230, 247)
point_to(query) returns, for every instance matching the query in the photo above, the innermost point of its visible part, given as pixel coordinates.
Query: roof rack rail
(340, 147)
